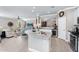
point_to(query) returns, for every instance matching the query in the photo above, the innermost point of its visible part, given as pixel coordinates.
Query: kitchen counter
(49, 28)
(39, 41)
(74, 33)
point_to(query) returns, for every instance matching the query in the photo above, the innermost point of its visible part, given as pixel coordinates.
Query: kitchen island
(39, 41)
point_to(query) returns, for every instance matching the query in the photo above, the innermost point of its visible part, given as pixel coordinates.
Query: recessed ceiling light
(52, 6)
(34, 7)
(37, 14)
(32, 10)
(48, 12)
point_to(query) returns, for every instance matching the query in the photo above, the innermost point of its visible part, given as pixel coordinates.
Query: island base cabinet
(39, 45)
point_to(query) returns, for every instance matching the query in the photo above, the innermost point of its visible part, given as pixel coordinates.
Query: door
(62, 27)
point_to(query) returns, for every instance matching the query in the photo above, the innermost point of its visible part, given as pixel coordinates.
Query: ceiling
(28, 11)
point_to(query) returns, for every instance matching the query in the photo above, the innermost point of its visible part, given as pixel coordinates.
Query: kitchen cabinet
(43, 24)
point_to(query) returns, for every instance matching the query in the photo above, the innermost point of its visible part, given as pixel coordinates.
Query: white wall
(51, 19)
(71, 20)
(77, 11)
(51, 22)
(4, 21)
(71, 16)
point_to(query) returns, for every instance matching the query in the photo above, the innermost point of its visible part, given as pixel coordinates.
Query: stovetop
(75, 33)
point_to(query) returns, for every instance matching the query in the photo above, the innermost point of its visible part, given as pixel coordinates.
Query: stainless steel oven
(74, 42)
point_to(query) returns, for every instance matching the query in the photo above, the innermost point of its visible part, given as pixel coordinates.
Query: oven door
(74, 42)
(78, 44)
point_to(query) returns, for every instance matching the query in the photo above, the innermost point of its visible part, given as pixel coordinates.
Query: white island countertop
(39, 42)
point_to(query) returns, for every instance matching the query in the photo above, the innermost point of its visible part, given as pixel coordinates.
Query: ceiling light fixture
(37, 14)
(32, 10)
(52, 6)
(48, 12)
(34, 7)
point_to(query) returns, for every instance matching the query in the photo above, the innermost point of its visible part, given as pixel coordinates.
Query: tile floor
(59, 45)
(17, 44)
